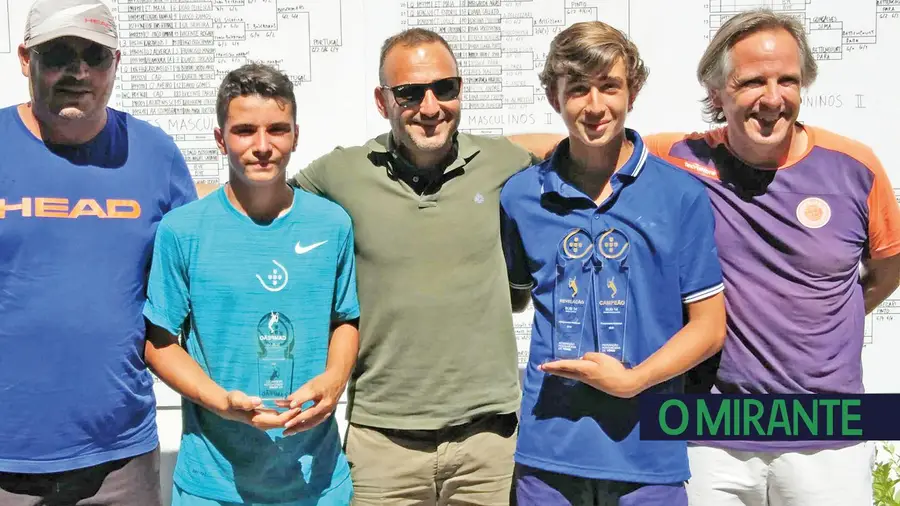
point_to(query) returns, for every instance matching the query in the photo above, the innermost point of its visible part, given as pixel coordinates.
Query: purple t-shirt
(790, 242)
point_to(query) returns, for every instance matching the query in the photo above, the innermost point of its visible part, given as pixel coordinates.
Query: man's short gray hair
(715, 65)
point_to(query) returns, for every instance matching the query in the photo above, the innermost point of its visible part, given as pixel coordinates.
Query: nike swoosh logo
(306, 249)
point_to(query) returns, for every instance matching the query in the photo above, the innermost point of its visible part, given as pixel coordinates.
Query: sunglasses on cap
(61, 55)
(411, 95)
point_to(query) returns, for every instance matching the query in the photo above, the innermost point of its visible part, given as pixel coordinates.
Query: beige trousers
(470, 464)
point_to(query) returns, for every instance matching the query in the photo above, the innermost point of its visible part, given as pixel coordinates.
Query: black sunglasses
(411, 95)
(61, 55)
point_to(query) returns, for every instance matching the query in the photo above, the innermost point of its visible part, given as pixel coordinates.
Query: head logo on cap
(88, 19)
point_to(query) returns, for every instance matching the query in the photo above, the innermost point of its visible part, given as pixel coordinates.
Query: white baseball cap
(88, 19)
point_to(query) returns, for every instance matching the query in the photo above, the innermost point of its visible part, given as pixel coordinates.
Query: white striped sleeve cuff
(703, 294)
(519, 286)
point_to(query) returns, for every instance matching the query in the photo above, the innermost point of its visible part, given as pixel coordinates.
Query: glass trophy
(612, 294)
(275, 359)
(570, 295)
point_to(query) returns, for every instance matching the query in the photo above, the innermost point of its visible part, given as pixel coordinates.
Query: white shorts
(839, 477)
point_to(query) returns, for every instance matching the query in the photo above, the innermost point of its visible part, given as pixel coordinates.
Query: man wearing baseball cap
(81, 194)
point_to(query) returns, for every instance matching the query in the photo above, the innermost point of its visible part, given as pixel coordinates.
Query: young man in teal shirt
(255, 276)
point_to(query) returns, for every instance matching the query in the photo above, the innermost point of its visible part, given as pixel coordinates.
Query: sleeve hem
(160, 320)
(703, 294)
(522, 286)
(345, 316)
(885, 252)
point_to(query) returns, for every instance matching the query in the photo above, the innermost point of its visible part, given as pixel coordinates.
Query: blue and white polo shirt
(619, 271)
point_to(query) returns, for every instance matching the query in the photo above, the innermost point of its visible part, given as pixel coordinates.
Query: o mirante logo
(812, 417)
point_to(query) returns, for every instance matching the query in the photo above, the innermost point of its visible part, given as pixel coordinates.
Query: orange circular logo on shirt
(813, 212)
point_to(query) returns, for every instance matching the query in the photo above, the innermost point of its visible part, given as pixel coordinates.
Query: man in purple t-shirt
(798, 211)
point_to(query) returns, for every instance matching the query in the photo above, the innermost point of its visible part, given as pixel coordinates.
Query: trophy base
(275, 382)
(270, 404)
(613, 350)
(566, 350)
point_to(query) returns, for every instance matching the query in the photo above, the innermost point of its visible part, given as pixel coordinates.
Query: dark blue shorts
(534, 487)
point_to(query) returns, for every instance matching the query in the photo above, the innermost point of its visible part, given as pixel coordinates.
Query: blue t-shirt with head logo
(257, 302)
(76, 233)
(615, 278)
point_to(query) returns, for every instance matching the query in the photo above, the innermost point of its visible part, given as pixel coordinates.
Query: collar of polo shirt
(551, 182)
(463, 149)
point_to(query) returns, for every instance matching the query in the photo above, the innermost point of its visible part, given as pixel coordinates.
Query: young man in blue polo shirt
(261, 280)
(615, 247)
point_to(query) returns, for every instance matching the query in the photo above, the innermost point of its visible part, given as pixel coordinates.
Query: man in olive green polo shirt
(433, 398)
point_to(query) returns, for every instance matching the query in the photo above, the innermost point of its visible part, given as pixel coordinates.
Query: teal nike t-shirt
(256, 303)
